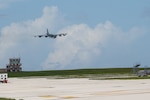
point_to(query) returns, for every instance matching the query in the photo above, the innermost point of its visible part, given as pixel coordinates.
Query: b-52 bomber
(50, 35)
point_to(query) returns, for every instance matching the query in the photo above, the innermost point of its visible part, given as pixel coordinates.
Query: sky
(100, 33)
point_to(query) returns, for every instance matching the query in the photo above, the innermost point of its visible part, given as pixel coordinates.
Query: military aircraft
(50, 35)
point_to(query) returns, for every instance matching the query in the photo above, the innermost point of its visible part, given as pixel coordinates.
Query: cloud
(18, 37)
(79, 48)
(84, 44)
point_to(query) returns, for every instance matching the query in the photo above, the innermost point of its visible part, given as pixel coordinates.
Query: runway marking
(64, 97)
(68, 97)
(122, 92)
(47, 96)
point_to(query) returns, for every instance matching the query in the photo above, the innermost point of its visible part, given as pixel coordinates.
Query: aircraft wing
(51, 35)
(39, 36)
(55, 35)
(62, 34)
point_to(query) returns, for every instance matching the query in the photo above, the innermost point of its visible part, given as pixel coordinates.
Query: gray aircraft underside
(51, 35)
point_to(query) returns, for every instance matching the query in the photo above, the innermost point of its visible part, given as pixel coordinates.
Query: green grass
(78, 72)
(97, 73)
(6, 99)
(127, 78)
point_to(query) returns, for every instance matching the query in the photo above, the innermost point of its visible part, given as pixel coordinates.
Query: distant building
(14, 65)
(2, 70)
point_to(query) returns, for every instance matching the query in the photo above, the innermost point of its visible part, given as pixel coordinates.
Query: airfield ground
(84, 84)
(48, 88)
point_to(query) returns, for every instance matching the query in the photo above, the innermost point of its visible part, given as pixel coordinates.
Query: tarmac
(74, 89)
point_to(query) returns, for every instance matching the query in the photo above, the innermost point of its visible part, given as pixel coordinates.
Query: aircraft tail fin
(47, 31)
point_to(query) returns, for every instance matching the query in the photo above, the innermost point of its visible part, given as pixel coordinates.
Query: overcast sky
(101, 33)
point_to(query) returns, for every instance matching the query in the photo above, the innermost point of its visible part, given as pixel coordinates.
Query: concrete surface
(74, 89)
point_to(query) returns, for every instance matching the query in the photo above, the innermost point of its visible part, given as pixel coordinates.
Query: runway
(74, 89)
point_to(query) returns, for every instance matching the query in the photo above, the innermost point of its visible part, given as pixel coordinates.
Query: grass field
(6, 99)
(107, 73)
(77, 72)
